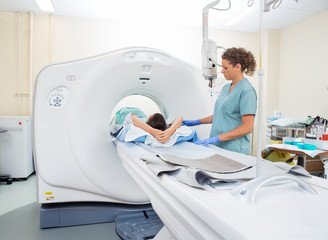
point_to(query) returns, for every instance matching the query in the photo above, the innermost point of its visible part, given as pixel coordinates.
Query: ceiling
(179, 12)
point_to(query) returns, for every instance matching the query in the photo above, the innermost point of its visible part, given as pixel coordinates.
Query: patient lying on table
(131, 124)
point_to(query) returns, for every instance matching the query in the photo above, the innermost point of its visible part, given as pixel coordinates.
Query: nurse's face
(228, 70)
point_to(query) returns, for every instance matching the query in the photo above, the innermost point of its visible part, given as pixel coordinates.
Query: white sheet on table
(311, 153)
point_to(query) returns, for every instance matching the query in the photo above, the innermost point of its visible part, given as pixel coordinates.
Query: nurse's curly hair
(243, 57)
(157, 121)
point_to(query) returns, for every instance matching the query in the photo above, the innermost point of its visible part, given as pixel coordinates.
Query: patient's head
(157, 121)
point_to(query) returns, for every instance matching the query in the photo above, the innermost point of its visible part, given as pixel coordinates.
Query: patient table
(279, 208)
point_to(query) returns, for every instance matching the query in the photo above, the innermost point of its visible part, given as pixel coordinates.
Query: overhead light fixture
(243, 15)
(275, 4)
(267, 4)
(45, 5)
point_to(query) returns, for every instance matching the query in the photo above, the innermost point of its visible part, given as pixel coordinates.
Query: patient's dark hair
(157, 121)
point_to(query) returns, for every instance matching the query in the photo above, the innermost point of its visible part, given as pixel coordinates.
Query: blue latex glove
(207, 141)
(191, 122)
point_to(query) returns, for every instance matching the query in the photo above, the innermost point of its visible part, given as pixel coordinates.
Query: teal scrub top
(228, 110)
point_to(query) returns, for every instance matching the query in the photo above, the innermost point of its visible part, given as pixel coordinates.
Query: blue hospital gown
(228, 110)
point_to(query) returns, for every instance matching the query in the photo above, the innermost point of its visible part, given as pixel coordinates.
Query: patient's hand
(156, 133)
(164, 135)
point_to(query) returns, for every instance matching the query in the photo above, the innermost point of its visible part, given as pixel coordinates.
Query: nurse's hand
(207, 141)
(191, 122)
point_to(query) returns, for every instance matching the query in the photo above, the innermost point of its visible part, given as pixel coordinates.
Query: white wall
(303, 81)
(271, 62)
(34, 41)
(295, 59)
(14, 82)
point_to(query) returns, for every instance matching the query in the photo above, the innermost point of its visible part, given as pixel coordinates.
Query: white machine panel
(76, 159)
(16, 147)
(146, 56)
(58, 97)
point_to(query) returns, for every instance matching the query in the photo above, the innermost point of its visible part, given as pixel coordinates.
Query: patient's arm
(144, 126)
(164, 136)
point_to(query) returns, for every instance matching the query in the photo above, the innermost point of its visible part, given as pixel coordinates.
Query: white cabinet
(16, 158)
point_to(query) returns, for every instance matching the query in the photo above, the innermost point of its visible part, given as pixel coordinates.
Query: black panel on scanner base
(73, 214)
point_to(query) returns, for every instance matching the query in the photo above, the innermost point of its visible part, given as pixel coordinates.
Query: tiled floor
(17, 194)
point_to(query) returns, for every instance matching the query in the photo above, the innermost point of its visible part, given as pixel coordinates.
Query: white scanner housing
(75, 157)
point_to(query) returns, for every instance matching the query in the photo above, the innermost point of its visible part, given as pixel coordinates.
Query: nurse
(235, 108)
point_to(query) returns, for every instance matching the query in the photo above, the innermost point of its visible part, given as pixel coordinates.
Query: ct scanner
(82, 174)
(75, 158)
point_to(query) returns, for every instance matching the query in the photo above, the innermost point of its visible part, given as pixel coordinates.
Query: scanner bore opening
(144, 103)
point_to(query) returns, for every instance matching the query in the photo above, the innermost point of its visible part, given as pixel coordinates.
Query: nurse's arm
(206, 120)
(245, 128)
